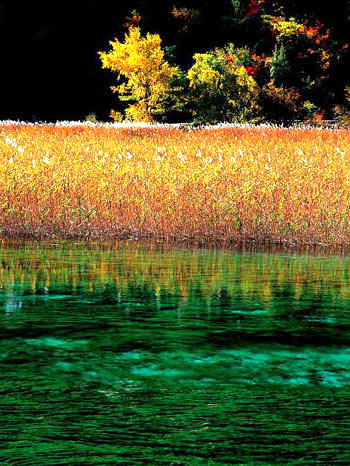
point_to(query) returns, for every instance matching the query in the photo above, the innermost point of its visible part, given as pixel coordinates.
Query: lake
(140, 353)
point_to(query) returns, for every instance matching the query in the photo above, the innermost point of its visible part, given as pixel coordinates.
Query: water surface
(136, 354)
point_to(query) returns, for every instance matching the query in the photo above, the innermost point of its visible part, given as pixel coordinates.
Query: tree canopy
(51, 69)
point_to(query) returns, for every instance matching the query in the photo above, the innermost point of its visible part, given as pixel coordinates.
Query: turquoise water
(139, 354)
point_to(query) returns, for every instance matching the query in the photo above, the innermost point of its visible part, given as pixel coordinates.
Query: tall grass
(229, 183)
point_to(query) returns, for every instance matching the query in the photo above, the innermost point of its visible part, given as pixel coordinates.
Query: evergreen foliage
(280, 67)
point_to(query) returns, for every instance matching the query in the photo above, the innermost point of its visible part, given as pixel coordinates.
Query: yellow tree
(147, 75)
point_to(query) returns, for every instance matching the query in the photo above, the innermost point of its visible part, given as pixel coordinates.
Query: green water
(134, 354)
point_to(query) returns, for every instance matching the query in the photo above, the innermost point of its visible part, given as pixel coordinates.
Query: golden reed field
(229, 184)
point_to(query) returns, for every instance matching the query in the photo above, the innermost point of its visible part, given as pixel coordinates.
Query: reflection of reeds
(230, 184)
(186, 274)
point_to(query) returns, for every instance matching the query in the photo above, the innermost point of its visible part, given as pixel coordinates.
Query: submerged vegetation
(228, 183)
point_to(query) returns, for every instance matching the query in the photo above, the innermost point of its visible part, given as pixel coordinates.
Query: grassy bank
(229, 183)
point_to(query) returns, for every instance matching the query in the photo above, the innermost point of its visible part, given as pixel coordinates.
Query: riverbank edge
(207, 242)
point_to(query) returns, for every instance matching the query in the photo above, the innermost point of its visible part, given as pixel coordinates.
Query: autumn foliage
(140, 61)
(222, 88)
(281, 68)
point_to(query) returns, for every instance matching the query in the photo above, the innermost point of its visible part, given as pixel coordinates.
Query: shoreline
(172, 242)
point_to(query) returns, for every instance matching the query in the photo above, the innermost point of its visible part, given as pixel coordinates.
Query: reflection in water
(130, 354)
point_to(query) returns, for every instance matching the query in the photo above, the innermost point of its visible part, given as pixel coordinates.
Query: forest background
(297, 53)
